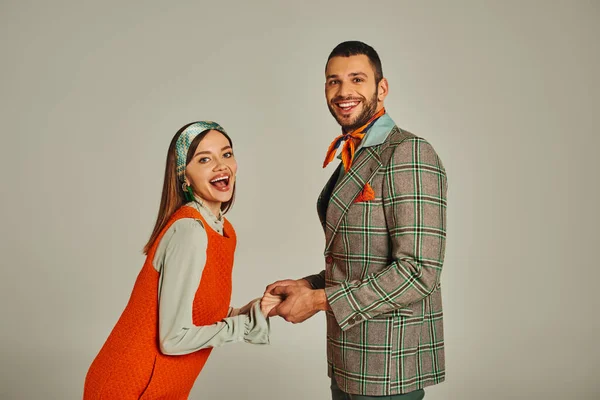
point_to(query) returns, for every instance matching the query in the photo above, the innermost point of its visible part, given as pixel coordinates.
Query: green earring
(189, 194)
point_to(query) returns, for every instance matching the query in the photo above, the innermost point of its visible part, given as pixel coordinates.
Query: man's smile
(347, 106)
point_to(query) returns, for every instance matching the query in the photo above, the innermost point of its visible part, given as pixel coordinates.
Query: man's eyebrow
(352, 74)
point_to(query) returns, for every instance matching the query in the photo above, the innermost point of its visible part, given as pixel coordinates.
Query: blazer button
(329, 260)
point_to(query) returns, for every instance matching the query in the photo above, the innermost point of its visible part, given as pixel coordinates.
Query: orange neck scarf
(352, 140)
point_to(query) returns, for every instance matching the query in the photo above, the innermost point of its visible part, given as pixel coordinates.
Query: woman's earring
(188, 192)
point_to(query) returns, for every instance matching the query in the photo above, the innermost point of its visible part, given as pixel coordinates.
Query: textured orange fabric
(367, 194)
(130, 365)
(352, 141)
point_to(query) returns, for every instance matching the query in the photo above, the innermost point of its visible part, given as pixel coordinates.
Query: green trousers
(337, 394)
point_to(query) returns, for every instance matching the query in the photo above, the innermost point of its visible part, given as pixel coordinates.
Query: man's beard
(369, 109)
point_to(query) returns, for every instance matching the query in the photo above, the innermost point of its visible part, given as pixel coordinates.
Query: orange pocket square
(367, 194)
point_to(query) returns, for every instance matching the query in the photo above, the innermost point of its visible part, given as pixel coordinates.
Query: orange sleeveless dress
(130, 365)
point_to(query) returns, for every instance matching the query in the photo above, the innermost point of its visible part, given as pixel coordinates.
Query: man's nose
(345, 89)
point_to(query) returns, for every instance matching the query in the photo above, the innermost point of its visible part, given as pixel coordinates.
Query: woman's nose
(220, 165)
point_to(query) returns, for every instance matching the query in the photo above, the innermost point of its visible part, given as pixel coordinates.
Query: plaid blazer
(383, 260)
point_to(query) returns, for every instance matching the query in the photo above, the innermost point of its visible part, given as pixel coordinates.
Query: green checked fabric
(186, 138)
(382, 273)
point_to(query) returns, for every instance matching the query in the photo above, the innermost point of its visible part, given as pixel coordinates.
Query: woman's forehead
(213, 140)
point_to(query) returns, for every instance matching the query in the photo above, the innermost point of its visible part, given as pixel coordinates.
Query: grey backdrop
(507, 92)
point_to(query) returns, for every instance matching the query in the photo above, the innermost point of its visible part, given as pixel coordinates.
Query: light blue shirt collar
(376, 134)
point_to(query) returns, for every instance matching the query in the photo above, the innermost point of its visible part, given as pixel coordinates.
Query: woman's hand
(246, 309)
(268, 302)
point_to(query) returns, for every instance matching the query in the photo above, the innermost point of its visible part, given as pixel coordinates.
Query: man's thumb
(280, 291)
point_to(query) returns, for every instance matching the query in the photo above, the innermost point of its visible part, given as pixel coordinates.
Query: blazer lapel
(365, 166)
(325, 195)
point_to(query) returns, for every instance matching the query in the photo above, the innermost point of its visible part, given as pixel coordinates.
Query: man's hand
(283, 283)
(300, 302)
(288, 282)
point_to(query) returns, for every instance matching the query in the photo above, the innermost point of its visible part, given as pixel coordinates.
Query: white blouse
(180, 259)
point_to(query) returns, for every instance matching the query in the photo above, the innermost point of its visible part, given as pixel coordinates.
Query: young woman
(179, 308)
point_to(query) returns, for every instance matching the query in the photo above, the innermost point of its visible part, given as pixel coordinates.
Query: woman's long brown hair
(173, 196)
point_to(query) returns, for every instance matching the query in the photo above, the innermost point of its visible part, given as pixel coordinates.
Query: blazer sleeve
(414, 204)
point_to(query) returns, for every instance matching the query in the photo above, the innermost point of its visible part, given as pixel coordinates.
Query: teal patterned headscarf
(185, 140)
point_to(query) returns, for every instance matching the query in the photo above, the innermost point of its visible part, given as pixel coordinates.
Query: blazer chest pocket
(377, 201)
(366, 212)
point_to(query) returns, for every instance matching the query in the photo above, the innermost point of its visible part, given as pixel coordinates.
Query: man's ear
(382, 90)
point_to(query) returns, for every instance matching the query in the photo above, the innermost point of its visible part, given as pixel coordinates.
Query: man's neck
(368, 121)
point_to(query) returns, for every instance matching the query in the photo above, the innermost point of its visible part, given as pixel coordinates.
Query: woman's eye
(204, 160)
(229, 154)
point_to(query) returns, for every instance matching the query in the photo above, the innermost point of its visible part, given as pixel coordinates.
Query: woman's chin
(221, 197)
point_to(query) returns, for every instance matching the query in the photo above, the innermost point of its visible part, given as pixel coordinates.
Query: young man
(384, 215)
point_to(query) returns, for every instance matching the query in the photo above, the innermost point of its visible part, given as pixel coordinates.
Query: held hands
(268, 302)
(299, 300)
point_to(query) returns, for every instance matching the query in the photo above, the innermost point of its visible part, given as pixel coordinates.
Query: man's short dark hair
(355, 48)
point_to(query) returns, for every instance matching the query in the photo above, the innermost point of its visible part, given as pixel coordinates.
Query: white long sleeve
(180, 260)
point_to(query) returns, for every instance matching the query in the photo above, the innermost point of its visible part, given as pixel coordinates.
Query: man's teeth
(346, 105)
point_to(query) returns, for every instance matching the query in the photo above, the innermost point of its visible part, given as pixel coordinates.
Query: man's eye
(333, 83)
(229, 154)
(358, 80)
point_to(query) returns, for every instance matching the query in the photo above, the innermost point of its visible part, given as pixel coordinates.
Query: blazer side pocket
(402, 312)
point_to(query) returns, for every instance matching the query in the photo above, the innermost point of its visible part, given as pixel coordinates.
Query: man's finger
(281, 291)
(273, 312)
(274, 284)
(284, 282)
(270, 296)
